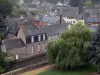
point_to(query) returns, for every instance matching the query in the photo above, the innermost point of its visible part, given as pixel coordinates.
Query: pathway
(37, 71)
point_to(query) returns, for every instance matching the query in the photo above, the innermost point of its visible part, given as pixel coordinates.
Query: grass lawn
(85, 71)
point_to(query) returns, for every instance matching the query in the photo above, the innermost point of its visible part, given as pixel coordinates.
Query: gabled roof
(13, 43)
(92, 11)
(70, 12)
(50, 30)
(29, 29)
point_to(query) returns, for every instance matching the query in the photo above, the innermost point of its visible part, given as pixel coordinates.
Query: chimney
(21, 27)
(21, 33)
(60, 19)
(38, 24)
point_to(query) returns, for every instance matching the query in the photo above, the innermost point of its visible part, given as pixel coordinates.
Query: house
(13, 25)
(68, 11)
(32, 41)
(15, 48)
(29, 5)
(51, 20)
(73, 20)
(93, 21)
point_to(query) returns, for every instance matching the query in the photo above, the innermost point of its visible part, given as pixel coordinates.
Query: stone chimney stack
(21, 33)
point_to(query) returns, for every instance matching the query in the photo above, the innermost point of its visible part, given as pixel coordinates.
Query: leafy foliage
(5, 8)
(2, 61)
(71, 49)
(94, 49)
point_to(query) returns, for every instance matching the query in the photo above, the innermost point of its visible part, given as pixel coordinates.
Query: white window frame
(17, 57)
(44, 36)
(32, 39)
(39, 37)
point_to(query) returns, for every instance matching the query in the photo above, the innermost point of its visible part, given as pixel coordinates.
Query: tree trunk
(99, 68)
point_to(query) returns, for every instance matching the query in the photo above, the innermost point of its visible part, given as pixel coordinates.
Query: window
(32, 39)
(43, 36)
(39, 38)
(73, 21)
(32, 50)
(17, 57)
(38, 47)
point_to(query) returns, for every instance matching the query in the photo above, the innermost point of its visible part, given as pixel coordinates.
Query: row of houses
(31, 41)
(29, 36)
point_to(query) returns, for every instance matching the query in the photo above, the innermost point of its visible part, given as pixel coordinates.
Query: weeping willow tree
(71, 49)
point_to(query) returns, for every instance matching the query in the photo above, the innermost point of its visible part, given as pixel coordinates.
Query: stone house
(31, 40)
(15, 48)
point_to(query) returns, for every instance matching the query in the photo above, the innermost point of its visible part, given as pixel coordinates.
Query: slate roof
(93, 19)
(69, 11)
(13, 43)
(13, 26)
(50, 30)
(28, 29)
(92, 11)
(50, 19)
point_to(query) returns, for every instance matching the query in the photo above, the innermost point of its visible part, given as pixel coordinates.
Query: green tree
(5, 8)
(94, 49)
(71, 49)
(2, 62)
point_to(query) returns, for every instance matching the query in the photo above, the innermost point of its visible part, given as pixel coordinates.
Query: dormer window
(43, 36)
(17, 57)
(39, 37)
(32, 39)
